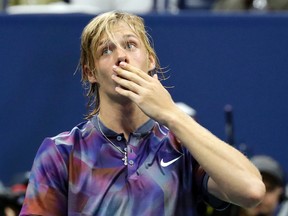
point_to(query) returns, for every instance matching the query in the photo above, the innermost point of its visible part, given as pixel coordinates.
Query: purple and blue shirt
(81, 173)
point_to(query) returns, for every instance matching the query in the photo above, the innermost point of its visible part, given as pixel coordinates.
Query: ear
(151, 63)
(89, 74)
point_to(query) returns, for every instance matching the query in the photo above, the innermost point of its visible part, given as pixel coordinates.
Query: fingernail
(122, 63)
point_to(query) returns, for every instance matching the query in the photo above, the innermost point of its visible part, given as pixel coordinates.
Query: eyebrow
(124, 36)
(129, 36)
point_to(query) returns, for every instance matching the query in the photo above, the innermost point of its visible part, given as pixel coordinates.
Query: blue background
(214, 60)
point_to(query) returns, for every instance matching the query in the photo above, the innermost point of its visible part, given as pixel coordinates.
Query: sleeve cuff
(213, 201)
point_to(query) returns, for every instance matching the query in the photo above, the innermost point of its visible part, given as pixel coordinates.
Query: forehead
(118, 31)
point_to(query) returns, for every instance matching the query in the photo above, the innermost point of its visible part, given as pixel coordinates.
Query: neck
(122, 118)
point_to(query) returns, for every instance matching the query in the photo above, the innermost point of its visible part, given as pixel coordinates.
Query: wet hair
(92, 34)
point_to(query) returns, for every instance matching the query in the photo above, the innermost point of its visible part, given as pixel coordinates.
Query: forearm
(234, 177)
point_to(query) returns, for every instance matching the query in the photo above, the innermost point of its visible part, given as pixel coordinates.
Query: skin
(129, 97)
(270, 202)
(9, 212)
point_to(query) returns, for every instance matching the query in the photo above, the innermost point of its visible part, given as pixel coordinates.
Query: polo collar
(141, 131)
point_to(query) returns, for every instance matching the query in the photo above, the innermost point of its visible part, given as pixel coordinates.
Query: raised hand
(145, 91)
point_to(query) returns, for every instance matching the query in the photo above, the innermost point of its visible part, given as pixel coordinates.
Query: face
(270, 202)
(126, 46)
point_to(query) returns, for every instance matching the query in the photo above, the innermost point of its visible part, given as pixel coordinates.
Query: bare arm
(233, 177)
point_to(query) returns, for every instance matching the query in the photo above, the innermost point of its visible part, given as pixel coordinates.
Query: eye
(130, 45)
(106, 51)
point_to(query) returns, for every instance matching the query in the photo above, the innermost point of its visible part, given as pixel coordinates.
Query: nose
(121, 56)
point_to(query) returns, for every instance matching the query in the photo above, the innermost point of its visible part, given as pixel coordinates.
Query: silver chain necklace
(124, 152)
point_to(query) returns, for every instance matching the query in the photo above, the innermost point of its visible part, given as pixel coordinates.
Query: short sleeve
(213, 201)
(47, 189)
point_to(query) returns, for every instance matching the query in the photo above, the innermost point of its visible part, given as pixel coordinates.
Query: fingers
(155, 76)
(130, 68)
(135, 83)
(127, 93)
(131, 73)
(126, 84)
(131, 78)
(144, 90)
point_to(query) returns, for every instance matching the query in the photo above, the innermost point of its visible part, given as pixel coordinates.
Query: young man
(137, 153)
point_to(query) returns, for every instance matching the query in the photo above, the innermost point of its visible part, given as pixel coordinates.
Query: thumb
(155, 76)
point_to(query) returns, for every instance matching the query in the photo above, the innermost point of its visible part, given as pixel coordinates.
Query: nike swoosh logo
(165, 164)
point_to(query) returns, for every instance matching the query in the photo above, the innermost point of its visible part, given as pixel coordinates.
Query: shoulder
(64, 142)
(69, 138)
(80, 131)
(54, 152)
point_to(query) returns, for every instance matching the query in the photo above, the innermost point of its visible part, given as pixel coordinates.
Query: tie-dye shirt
(81, 173)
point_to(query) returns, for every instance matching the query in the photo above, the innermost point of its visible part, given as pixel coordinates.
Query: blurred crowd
(147, 6)
(12, 195)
